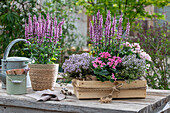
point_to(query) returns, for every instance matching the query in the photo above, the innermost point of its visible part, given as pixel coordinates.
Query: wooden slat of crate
(87, 89)
(108, 84)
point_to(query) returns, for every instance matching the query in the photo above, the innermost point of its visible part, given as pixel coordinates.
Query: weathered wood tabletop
(156, 101)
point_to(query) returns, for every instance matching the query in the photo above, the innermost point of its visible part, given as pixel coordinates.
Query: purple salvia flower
(107, 27)
(40, 23)
(101, 26)
(47, 23)
(30, 25)
(98, 18)
(34, 24)
(113, 26)
(38, 32)
(120, 27)
(51, 29)
(55, 26)
(127, 29)
(94, 30)
(26, 30)
(43, 27)
(91, 31)
(60, 27)
(39, 18)
(97, 28)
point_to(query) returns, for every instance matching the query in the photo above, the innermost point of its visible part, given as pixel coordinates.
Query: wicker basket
(43, 76)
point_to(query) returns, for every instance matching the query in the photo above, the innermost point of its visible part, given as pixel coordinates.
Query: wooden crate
(98, 89)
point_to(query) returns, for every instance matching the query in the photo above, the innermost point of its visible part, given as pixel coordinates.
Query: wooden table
(154, 102)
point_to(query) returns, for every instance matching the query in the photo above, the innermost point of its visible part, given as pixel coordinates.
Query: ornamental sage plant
(103, 35)
(43, 36)
(78, 66)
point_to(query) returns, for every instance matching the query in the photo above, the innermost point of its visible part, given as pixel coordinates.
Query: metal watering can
(8, 63)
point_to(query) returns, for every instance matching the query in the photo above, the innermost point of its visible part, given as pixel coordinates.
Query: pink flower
(114, 67)
(136, 45)
(120, 60)
(144, 55)
(116, 62)
(97, 61)
(110, 59)
(113, 76)
(98, 58)
(127, 44)
(105, 55)
(102, 64)
(95, 65)
(114, 57)
(110, 64)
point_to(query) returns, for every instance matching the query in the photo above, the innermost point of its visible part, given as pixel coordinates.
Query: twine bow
(108, 98)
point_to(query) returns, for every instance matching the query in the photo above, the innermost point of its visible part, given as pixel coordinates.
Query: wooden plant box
(98, 89)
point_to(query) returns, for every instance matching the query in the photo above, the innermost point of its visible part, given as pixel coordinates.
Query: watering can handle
(10, 46)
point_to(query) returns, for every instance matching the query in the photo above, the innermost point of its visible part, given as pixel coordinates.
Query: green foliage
(156, 42)
(45, 53)
(67, 10)
(131, 9)
(12, 14)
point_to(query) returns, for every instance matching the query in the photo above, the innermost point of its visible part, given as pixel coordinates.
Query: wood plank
(98, 89)
(154, 99)
(108, 84)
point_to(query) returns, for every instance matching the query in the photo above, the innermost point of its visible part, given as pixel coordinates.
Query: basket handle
(10, 46)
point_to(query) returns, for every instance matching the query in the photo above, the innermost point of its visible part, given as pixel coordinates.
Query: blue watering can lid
(17, 59)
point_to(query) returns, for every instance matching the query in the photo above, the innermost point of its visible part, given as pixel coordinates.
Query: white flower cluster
(135, 48)
(133, 67)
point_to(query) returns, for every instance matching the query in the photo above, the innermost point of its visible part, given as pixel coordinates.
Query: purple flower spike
(91, 31)
(30, 24)
(113, 26)
(26, 30)
(107, 27)
(119, 35)
(55, 30)
(127, 29)
(94, 29)
(101, 26)
(39, 29)
(39, 18)
(47, 23)
(34, 25)
(38, 32)
(51, 28)
(60, 28)
(40, 23)
(43, 27)
(98, 18)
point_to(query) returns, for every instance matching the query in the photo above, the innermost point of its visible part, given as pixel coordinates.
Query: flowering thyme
(78, 64)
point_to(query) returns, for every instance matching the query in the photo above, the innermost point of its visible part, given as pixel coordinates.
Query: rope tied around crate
(108, 98)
